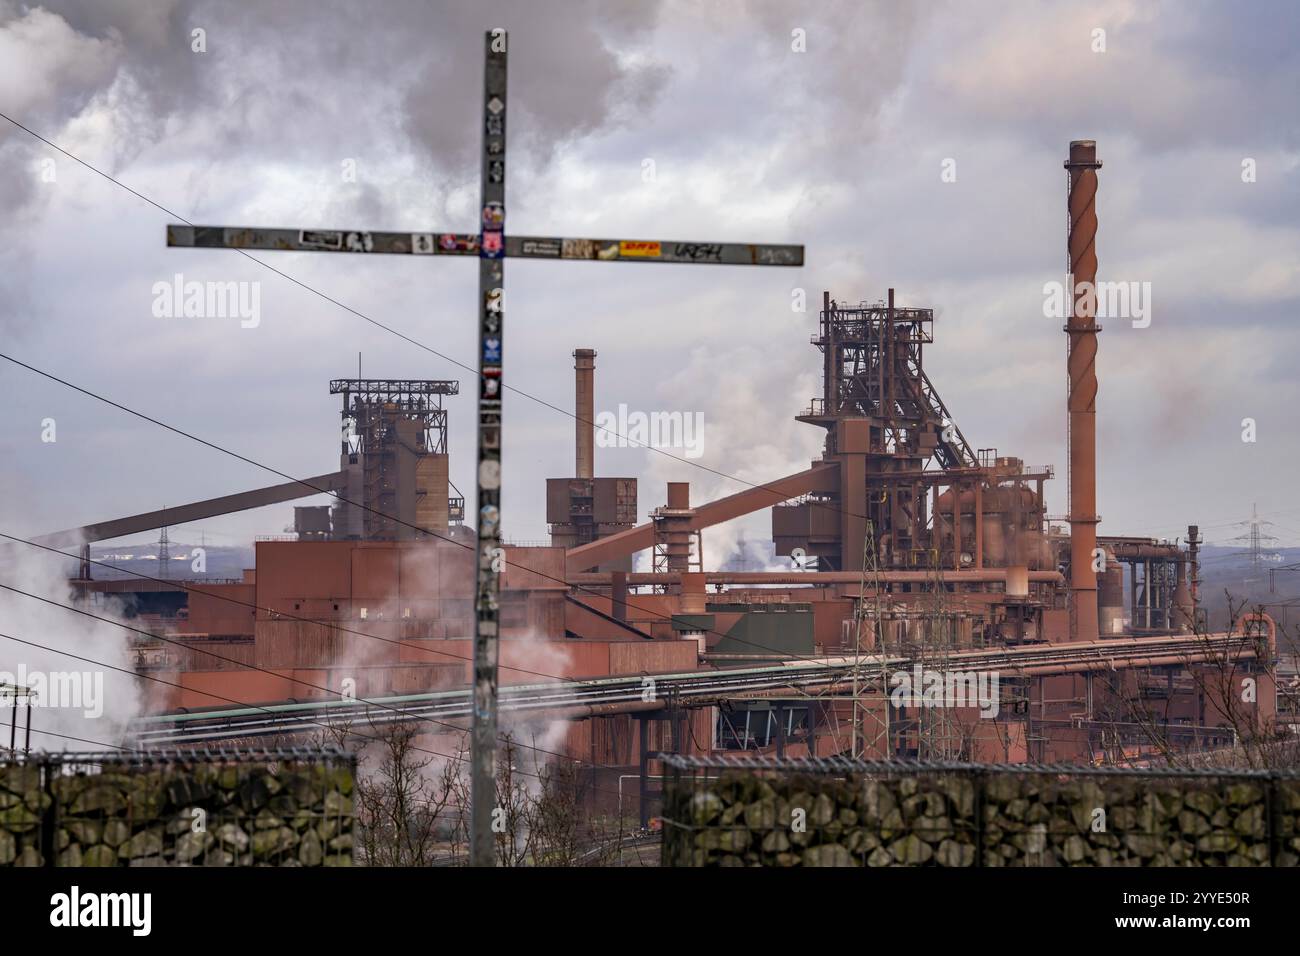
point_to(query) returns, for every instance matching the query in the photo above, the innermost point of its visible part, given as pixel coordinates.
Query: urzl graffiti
(698, 251)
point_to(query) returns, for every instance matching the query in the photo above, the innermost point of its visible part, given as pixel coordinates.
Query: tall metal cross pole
(491, 245)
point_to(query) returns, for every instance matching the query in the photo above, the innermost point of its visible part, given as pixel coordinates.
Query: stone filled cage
(754, 811)
(191, 807)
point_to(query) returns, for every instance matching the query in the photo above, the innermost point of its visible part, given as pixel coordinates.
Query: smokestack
(1082, 366)
(584, 375)
(1194, 558)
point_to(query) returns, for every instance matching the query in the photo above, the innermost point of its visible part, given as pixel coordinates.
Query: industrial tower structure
(394, 459)
(904, 466)
(584, 508)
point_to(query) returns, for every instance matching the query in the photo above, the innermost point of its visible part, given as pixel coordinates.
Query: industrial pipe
(822, 578)
(1269, 624)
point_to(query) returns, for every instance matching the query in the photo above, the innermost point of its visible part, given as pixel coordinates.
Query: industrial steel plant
(913, 551)
(923, 666)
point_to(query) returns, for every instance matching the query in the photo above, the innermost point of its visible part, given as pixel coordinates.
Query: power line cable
(392, 331)
(284, 614)
(332, 729)
(367, 702)
(433, 534)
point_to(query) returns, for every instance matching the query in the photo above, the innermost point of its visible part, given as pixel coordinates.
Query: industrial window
(752, 729)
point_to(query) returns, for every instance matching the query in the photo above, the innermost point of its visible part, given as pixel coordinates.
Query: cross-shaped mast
(491, 245)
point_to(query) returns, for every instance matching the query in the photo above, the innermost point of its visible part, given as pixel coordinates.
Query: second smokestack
(584, 375)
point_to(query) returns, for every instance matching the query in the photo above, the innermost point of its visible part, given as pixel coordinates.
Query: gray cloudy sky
(839, 148)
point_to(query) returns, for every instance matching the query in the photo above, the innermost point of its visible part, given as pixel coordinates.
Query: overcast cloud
(840, 147)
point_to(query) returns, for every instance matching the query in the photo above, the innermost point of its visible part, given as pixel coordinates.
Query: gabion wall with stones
(837, 813)
(231, 809)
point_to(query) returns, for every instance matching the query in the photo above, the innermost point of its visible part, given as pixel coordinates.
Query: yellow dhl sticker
(638, 248)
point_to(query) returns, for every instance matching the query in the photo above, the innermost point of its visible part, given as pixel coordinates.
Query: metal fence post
(45, 767)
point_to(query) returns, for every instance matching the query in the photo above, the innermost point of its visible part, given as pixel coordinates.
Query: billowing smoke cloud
(538, 738)
(267, 77)
(81, 702)
(117, 81)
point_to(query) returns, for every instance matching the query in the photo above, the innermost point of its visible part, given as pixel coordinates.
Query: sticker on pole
(318, 239)
(639, 249)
